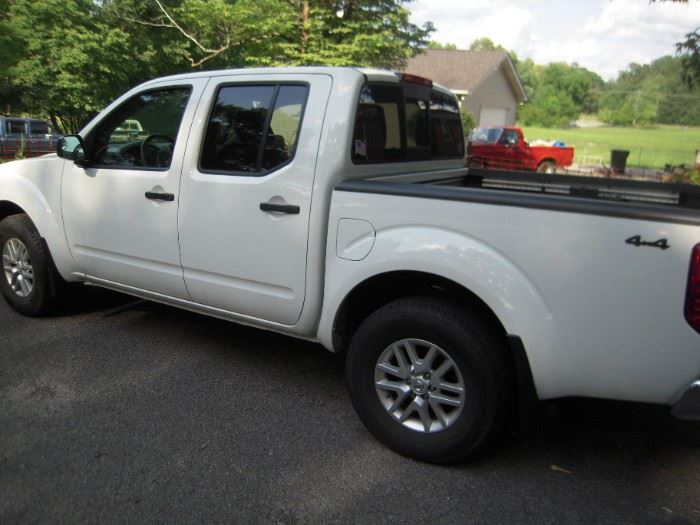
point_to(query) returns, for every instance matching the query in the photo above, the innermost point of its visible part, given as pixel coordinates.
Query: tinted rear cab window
(396, 123)
(39, 127)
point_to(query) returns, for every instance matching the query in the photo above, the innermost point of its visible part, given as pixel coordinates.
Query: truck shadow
(615, 425)
(579, 423)
(79, 300)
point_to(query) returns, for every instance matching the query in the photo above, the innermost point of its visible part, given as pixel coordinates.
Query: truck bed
(591, 274)
(661, 202)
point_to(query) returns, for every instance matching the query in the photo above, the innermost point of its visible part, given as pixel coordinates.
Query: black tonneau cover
(640, 200)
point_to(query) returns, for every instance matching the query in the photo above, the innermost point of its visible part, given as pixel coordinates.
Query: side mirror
(72, 147)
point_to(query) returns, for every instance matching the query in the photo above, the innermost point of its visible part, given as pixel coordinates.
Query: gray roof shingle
(457, 69)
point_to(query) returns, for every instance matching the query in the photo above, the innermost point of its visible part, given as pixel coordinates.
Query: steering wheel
(146, 144)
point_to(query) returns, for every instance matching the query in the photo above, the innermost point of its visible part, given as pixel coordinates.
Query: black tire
(476, 351)
(46, 280)
(547, 166)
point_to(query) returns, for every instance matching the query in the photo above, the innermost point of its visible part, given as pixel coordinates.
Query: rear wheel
(547, 166)
(28, 278)
(428, 379)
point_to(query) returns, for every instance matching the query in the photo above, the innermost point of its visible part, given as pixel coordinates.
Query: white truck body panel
(598, 317)
(34, 185)
(592, 312)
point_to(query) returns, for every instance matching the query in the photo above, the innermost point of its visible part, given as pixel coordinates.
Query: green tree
(433, 44)
(529, 72)
(558, 93)
(9, 51)
(689, 50)
(651, 94)
(65, 60)
(468, 122)
(199, 34)
(549, 108)
(360, 32)
(485, 44)
(224, 33)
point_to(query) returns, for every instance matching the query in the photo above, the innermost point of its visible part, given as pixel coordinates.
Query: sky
(604, 36)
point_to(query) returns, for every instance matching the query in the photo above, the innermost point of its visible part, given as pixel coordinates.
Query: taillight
(415, 79)
(692, 298)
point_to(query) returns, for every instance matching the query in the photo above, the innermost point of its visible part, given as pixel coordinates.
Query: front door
(510, 151)
(120, 213)
(246, 194)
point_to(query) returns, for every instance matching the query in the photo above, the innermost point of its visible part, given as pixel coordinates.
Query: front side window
(16, 127)
(485, 135)
(509, 137)
(142, 132)
(253, 129)
(405, 123)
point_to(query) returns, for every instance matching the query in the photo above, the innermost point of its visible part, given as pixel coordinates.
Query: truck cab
(26, 137)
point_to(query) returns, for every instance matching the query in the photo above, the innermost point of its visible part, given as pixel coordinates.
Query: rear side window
(38, 127)
(405, 123)
(253, 129)
(446, 139)
(378, 124)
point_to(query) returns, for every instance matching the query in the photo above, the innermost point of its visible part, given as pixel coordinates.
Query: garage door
(493, 117)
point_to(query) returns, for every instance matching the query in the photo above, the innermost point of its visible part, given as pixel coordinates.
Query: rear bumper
(688, 406)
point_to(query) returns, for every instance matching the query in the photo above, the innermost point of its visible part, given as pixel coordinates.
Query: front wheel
(428, 379)
(28, 278)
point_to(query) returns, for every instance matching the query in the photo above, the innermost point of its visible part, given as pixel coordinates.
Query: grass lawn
(648, 147)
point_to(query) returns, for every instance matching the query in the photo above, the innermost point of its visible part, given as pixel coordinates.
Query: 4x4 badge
(637, 241)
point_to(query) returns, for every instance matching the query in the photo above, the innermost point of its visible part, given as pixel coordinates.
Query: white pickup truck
(332, 204)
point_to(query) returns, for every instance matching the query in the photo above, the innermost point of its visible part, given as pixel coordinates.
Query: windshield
(485, 135)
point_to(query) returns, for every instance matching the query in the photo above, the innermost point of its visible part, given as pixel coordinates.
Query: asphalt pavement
(125, 411)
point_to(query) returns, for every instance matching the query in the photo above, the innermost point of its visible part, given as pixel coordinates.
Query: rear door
(246, 193)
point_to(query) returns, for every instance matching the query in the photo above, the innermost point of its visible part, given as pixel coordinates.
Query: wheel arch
(381, 289)
(546, 160)
(8, 208)
(21, 195)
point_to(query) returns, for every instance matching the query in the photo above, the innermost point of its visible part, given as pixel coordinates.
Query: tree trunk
(54, 122)
(349, 8)
(304, 22)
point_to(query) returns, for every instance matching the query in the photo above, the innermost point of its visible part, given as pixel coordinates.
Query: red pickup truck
(506, 148)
